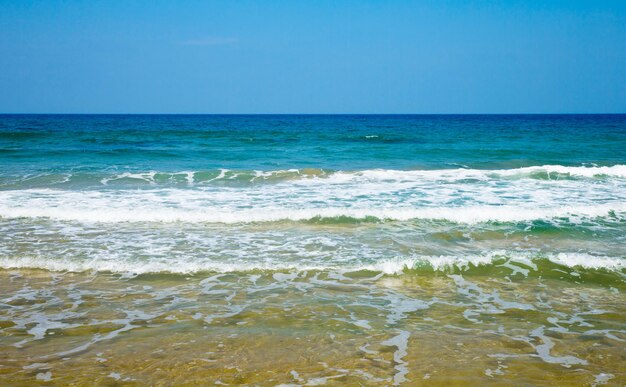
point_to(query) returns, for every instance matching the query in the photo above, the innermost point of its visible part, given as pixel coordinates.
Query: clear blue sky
(313, 56)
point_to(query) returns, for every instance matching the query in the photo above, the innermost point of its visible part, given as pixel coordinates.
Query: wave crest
(511, 263)
(466, 215)
(321, 176)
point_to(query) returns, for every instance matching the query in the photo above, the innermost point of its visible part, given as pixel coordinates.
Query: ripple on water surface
(308, 327)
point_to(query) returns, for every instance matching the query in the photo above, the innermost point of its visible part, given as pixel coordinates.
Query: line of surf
(518, 262)
(468, 215)
(190, 177)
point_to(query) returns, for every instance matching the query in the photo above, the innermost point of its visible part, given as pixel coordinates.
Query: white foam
(191, 265)
(602, 378)
(383, 194)
(393, 174)
(588, 261)
(139, 267)
(401, 342)
(44, 376)
(615, 170)
(544, 351)
(464, 173)
(89, 208)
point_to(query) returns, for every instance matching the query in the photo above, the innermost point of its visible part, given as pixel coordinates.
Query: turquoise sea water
(433, 184)
(484, 209)
(40, 143)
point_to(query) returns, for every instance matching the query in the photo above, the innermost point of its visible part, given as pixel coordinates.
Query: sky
(295, 56)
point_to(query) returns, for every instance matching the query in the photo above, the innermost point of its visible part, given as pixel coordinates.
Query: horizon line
(308, 114)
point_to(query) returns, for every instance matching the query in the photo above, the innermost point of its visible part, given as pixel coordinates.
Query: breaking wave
(320, 176)
(467, 215)
(524, 263)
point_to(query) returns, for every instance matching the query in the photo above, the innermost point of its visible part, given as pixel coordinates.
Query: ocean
(313, 249)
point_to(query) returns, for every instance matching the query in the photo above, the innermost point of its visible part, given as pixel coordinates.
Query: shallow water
(312, 327)
(308, 250)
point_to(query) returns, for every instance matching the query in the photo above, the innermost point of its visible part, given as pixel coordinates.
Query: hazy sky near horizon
(312, 56)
